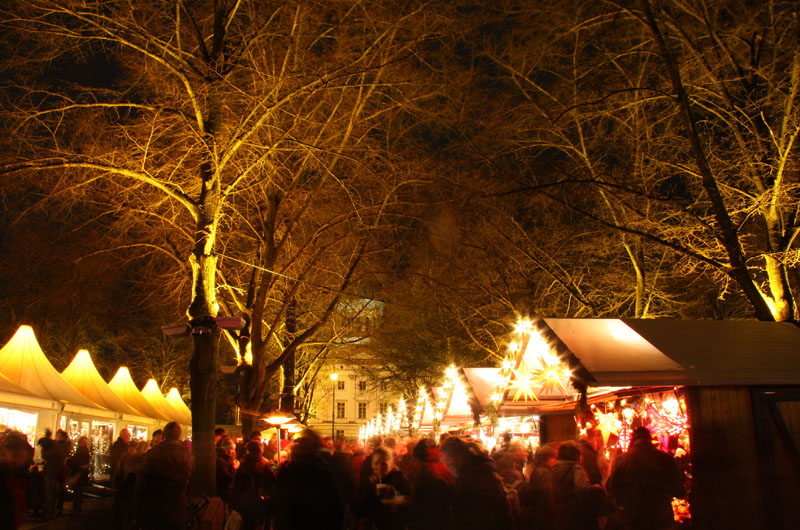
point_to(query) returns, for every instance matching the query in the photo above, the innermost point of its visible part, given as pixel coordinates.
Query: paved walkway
(96, 514)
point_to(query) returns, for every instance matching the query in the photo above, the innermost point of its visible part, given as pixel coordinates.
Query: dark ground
(96, 514)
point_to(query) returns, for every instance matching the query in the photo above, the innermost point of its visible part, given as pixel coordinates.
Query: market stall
(83, 375)
(722, 396)
(24, 364)
(23, 412)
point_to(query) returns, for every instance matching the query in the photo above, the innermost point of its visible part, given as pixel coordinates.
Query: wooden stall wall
(777, 421)
(726, 489)
(557, 427)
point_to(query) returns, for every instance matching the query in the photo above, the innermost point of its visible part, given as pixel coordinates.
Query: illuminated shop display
(663, 414)
(24, 422)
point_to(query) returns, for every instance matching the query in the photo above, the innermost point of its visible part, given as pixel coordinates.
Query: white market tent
(173, 397)
(24, 363)
(153, 395)
(83, 375)
(124, 387)
(7, 386)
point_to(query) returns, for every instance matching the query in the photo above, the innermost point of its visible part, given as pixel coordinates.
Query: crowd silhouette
(391, 484)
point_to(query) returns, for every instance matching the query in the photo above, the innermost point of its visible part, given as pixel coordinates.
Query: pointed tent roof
(7, 386)
(153, 395)
(25, 364)
(82, 374)
(174, 399)
(123, 386)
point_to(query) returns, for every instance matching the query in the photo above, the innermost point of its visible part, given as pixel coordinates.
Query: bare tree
(206, 113)
(669, 132)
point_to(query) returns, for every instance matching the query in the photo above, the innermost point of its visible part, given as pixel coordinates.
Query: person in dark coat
(536, 498)
(571, 490)
(124, 507)
(252, 487)
(431, 506)
(118, 448)
(306, 496)
(642, 483)
(55, 471)
(480, 500)
(340, 462)
(161, 500)
(592, 459)
(79, 473)
(226, 468)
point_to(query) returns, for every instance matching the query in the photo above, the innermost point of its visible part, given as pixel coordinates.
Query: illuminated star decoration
(667, 420)
(608, 424)
(523, 384)
(552, 377)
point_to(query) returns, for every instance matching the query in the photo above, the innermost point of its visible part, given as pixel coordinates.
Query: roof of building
(639, 352)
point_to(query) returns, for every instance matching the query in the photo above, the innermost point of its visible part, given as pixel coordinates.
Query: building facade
(349, 392)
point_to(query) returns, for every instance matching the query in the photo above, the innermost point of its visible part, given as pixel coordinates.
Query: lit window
(340, 405)
(362, 411)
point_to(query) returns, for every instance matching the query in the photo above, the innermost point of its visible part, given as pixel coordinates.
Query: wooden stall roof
(645, 352)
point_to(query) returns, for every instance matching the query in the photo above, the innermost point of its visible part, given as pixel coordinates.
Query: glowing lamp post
(334, 378)
(277, 420)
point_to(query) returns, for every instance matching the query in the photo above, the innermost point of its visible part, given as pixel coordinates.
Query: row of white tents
(34, 396)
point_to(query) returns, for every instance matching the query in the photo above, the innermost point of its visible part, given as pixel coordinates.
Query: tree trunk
(728, 236)
(287, 393)
(204, 397)
(249, 423)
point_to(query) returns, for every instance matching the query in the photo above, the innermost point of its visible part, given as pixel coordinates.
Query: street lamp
(277, 420)
(334, 377)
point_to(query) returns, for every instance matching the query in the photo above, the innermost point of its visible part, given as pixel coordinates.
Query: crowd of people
(317, 483)
(419, 484)
(24, 483)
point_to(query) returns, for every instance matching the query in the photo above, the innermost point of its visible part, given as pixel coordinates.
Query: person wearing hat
(642, 484)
